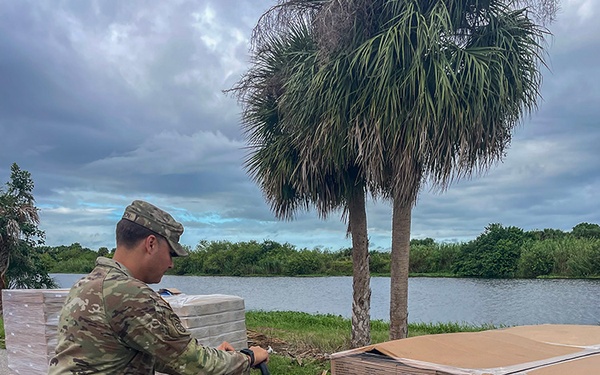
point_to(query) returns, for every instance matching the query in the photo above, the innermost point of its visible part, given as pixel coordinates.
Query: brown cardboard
(545, 349)
(581, 366)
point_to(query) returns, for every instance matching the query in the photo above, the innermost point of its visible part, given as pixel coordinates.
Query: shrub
(494, 254)
(536, 260)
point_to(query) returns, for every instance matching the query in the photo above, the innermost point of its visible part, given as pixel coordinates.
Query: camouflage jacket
(112, 323)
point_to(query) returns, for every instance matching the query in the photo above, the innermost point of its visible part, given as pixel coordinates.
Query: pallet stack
(212, 318)
(31, 323)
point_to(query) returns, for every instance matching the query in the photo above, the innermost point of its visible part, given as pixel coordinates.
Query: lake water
(473, 301)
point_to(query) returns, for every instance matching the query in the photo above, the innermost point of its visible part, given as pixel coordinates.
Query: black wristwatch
(250, 354)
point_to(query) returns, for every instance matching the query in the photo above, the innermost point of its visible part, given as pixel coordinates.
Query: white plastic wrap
(212, 318)
(31, 323)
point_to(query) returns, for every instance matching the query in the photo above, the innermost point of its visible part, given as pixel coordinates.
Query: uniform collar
(107, 262)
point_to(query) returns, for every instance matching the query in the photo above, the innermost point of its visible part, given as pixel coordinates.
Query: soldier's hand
(260, 355)
(226, 347)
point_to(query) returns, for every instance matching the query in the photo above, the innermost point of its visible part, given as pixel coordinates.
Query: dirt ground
(285, 349)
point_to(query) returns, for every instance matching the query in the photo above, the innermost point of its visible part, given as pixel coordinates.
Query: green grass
(309, 338)
(2, 335)
(284, 365)
(420, 329)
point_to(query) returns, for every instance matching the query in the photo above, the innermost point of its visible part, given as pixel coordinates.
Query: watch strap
(250, 354)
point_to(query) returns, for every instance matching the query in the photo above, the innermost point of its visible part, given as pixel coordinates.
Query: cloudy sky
(104, 102)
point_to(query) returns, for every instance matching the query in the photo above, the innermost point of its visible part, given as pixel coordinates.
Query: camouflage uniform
(113, 323)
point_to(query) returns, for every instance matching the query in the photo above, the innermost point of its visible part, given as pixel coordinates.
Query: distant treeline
(499, 252)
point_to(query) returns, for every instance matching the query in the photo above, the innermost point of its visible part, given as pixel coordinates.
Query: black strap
(250, 354)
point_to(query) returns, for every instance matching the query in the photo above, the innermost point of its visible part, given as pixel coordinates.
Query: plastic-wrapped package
(31, 323)
(212, 318)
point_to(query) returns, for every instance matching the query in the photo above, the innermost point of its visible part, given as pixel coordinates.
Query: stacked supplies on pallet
(30, 325)
(212, 318)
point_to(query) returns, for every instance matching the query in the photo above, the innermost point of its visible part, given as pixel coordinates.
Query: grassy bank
(303, 342)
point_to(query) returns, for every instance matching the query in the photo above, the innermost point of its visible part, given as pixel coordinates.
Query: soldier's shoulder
(128, 289)
(132, 299)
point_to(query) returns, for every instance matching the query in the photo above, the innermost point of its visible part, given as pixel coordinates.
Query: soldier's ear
(151, 244)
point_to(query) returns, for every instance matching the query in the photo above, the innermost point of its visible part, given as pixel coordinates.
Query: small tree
(27, 269)
(20, 265)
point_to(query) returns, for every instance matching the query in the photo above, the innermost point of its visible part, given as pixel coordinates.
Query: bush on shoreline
(499, 252)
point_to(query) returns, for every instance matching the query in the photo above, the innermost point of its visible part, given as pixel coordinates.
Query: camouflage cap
(157, 220)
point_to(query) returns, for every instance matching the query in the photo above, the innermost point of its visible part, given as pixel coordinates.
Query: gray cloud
(109, 101)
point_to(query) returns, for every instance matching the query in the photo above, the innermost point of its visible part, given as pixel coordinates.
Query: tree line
(499, 252)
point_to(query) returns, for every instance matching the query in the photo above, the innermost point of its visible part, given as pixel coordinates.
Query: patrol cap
(158, 221)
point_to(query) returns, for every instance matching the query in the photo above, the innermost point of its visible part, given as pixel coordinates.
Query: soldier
(114, 323)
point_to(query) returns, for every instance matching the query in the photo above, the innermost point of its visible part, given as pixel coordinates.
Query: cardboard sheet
(545, 349)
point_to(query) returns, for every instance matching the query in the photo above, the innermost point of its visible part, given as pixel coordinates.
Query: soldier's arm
(202, 360)
(147, 323)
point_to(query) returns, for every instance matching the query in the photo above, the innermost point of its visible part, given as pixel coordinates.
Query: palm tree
(427, 91)
(417, 91)
(284, 62)
(400, 93)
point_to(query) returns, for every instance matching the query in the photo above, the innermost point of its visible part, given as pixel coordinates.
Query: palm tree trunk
(361, 290)
(399, 271)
